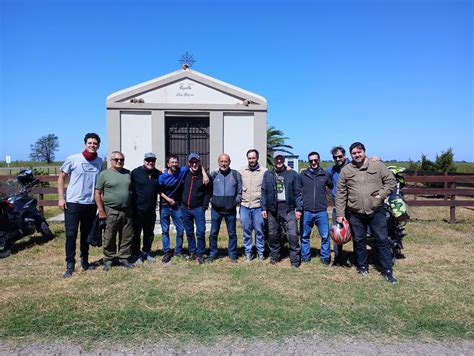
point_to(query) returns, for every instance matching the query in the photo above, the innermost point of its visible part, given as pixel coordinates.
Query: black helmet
(26, 176)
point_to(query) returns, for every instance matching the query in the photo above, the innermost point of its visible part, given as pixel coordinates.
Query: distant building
(182, 112)
(292, 161)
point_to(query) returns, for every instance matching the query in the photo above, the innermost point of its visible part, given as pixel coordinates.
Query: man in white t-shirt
(78, 203)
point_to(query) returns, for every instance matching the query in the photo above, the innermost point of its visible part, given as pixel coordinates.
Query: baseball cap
(150, 156)
(278, 154)
(193, 156)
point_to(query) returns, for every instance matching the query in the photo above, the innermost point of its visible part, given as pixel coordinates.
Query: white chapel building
(182, 112)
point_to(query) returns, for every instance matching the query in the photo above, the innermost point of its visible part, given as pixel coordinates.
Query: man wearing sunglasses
(314, 181)
(339, 156)
(144, 198)
(113, 197)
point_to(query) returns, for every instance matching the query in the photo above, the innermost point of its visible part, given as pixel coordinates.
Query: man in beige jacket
(250, 208)
(362, 188)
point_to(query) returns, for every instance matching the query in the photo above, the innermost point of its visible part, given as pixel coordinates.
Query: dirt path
(294, 346)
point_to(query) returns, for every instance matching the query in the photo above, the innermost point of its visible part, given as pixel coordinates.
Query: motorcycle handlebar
(27, 187)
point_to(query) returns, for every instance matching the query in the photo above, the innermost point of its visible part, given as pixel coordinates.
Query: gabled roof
(186, 86)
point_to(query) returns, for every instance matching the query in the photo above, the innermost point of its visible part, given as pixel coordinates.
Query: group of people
(271, 202)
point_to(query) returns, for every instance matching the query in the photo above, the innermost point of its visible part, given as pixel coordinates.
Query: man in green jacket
(362, 188)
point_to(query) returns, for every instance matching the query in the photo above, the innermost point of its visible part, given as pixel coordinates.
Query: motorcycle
(19, 215)
(397, 214)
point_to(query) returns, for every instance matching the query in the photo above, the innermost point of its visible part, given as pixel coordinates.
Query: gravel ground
(294, 346)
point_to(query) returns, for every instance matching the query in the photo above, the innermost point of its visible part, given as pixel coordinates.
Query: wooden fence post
(445, 185)
(452, 208)
(416, 184)
(41, 208)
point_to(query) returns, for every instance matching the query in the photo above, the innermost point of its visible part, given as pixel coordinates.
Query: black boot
(86, 266)
(69, 269)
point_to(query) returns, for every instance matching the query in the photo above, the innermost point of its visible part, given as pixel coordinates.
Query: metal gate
(185, 135)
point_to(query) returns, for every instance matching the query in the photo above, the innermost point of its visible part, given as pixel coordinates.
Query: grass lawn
(187, 302)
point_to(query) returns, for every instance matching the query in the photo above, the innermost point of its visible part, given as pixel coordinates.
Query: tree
(276, 143)
(44, 149)
(445, 162)
(427, 165)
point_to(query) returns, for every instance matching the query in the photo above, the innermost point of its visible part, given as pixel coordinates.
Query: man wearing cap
(194, 202)
(363, 185)
(250, 207)
(171, 187)
(282, 205)
(144, 198)
(226, 195)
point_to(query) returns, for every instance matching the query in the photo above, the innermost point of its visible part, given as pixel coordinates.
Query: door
(135, 137)
(185, 135)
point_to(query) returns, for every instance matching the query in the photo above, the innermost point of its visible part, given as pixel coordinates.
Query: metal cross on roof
(187, 59)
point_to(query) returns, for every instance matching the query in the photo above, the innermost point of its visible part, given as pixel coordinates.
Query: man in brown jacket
(250, 208)
(362, 188)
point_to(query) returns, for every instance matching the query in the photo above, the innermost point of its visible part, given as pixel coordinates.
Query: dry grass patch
(185, 301)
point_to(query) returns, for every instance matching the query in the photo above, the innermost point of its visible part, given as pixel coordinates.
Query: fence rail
(454, 186)
(9, 186)
(418, 191)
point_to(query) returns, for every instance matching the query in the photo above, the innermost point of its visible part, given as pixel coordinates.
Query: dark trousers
(378, 226)
(75, 215)
(143, 220)
(286, 221)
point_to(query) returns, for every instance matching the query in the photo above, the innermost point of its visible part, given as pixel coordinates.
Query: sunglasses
(314, 160)
(118, 159)
(150, 160)
(336, 157)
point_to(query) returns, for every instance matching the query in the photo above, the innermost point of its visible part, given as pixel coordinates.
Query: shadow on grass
(28, 242)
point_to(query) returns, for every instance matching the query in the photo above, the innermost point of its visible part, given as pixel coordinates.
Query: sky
(395, 75)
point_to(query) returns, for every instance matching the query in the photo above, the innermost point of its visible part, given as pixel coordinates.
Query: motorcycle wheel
(46, 231)
(5, 253)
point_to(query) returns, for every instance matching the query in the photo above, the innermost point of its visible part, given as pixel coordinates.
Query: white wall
(238, 137)
(135, 137)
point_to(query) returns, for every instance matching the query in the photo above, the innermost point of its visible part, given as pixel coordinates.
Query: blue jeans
(230, 220)
(251, 219)
(191, 217)
(377, 222)
(166, 213)
(321, 220)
